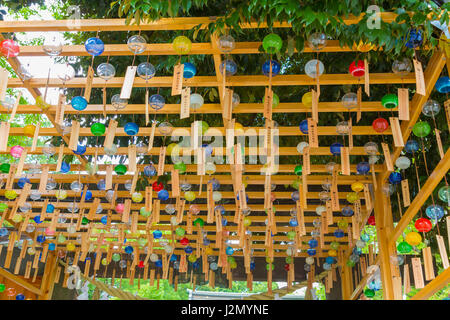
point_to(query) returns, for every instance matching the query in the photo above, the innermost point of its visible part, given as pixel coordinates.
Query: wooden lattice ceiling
(251, 174)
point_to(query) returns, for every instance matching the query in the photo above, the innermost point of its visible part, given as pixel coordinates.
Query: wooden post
(384, 226)
(48, 280)
(346, 281)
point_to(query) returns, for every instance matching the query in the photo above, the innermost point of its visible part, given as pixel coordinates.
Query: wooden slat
(211, 81)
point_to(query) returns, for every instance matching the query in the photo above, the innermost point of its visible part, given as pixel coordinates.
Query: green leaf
(290, 46)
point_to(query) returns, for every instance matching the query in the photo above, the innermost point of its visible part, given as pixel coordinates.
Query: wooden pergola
(372, 200)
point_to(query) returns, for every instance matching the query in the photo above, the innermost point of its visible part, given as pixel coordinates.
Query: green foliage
(167, 291)
(305, 17)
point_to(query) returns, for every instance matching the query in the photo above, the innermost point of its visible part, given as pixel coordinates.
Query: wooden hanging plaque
(4, 74)
(88, 87)
(447, 112)
(175, 183)
(147, 116)
(161, 160)
(306, 161)
(177, 80)
(329, 213)
(127, 86)
(428, 263)
(417, 273)
(420, 79)
(406, 279)
(14, 109)
(396, 132)
(315, 106)
(134, 181)
(350, 135)
(110, 134)
(126, 211)
(227, 104)
(268, 102)
(148, 198)
(132, 158)
(405, 193)
(104, 101)
(304, 190)
(387, 157)
(73, 142)
(301, 218)
(21, 163)
(4, 134)
(60, 108)
(334, 190)
(359, 99)
(345, 161)
(60, 158)
(403, 104)
(108, 178)
(367, 197)
(152, 137)
(156, 211)
(201, 159)
(442, 251)
(366, 78)
(195, 134)
(210, 204)
(44, 178)
(312, 134)
(439, 142)
(185, 103)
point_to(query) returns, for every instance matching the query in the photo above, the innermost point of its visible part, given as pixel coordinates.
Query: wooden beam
(438, 283)
(225, 194)
(208, 108)
(220, 168)
(224, 179)
(48, 279)
(435, 177)
(283, 151)
(211, 81)
(165, 49)
(21, 282)
(179, 23)
(212, 131)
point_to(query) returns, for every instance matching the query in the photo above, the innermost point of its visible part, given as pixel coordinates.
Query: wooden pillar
(384, 226)
(346, 282)
(48, 279)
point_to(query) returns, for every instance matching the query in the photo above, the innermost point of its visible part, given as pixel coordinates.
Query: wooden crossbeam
(213, 131)
(179, 23)
(209, 108)
(211, 81)
(224, 179)
(283, 151)
(21, 282)
(438, 283)
(165, 49)
(220, 168)
(225, 195)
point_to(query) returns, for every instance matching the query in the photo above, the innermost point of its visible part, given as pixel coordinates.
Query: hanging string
(134, 55)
